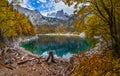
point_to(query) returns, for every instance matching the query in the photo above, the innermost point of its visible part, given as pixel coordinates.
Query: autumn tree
(12, 23)
(100, 17)
(23, 26)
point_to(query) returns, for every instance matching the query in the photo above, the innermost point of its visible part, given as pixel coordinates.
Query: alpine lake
(62, 46)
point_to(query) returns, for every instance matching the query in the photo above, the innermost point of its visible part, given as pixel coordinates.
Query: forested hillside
(12, 23)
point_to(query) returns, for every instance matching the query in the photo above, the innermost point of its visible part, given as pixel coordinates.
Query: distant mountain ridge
(36, 18)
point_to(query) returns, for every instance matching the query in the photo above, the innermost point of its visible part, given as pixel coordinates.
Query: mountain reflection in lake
(62, 46)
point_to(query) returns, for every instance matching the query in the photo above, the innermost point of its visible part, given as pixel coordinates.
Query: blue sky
(41, 5)
(46, 6)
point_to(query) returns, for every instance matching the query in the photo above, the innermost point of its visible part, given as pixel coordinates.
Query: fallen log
(25, 61)
(10, 67)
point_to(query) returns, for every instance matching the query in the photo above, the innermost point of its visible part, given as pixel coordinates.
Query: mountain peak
(59, 14)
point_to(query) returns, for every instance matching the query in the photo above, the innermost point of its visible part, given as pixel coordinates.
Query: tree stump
(50, 57)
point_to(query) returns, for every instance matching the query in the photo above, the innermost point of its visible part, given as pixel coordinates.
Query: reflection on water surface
(62, 46)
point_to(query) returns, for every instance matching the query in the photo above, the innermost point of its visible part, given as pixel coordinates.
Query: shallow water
(62, 46)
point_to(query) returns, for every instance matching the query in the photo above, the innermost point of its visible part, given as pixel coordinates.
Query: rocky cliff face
(34, 16)
(59, 15)
(52, 15)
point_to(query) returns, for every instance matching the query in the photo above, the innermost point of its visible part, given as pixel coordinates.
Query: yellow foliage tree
(100, 17)
(13, 23)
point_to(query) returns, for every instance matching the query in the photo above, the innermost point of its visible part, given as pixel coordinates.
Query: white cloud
(48, 6)
(44, 1)
(67, 9)
(23, 3)
(30, 7)
(38, 1)
(58, 6)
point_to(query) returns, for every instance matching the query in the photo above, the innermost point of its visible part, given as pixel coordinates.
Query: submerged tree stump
(50, 57)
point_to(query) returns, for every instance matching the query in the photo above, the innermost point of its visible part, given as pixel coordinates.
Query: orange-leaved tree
(99, 17)
(12, 23)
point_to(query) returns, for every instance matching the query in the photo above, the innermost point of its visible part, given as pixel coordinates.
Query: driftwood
(10, 67)
(25, 61)
(50, 57)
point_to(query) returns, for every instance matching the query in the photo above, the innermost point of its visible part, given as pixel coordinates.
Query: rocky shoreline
(16, 61)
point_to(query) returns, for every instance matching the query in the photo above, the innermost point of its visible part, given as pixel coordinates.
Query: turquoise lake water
(62, 46)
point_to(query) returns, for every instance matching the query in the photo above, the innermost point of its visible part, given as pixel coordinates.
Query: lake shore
(35, 65)
(81, 35)
(19, 61)
(94, 50)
